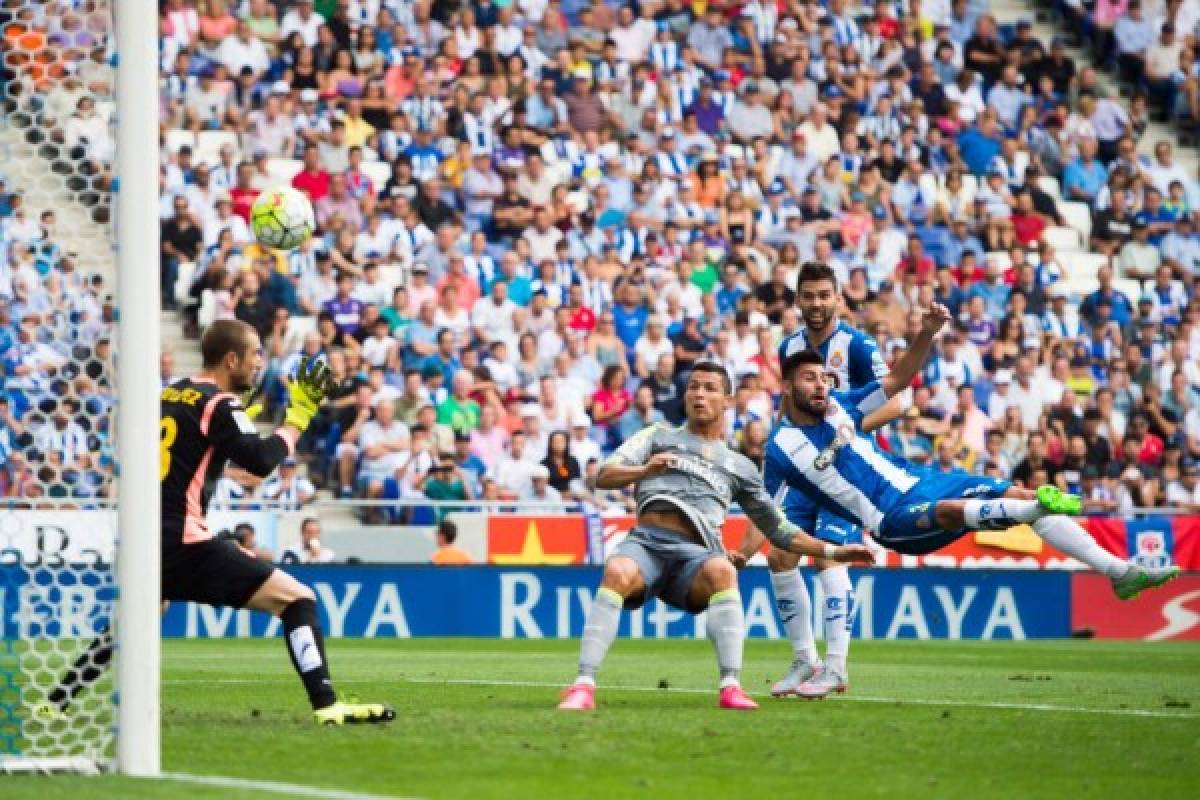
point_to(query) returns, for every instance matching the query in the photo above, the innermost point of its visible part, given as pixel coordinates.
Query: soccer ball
(282, 218)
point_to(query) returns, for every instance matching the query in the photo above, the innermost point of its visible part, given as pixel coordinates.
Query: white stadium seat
(209, 144)
(1130, 288)
(1081, 266)
(1049, 185)
(177, 139)
(1062, 239)
(1078, 216)
(282, 170)
(378, 172)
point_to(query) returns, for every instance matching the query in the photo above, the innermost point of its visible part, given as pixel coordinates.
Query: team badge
(836, 360)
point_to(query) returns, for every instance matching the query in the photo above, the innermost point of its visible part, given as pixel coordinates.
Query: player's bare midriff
(672, 520)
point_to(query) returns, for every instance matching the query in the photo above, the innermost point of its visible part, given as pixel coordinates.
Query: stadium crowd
(534, 216)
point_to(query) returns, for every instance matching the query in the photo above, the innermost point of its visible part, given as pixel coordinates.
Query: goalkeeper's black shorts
(215, 572)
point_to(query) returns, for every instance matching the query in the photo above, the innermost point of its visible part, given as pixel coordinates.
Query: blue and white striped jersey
(855, 358)
(836, 466)
(849, 353)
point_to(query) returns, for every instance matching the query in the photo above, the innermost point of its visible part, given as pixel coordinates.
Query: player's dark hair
(802, 358)
(223, 337)
(716, 369)
(814, 272)
(448, 530)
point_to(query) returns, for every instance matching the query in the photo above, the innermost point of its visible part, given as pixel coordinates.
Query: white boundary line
(273, 787)
(855, 698)
(1119, 712)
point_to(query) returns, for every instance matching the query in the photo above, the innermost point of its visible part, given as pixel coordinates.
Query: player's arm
(232, 432)
(758, 505)
(913, 360)
(634, 460)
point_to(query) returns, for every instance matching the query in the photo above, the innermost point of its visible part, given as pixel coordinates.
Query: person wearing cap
(288, 488)
(539, 489)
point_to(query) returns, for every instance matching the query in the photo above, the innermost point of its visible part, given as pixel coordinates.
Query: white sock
(794, 604)
(1001, 514)
(726, 628)
(598, 633)
(839, 616)
(1069, 536)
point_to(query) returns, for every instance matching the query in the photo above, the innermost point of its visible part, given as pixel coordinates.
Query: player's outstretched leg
(622, 578)
(1044, 511)
(715, 585)
(296, 607)
(86, 670)
(794, 605)
(839, 620)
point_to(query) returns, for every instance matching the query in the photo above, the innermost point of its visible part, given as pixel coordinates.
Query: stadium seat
(392, 275)
(1062, 239)
(208, 309)
(998, 257)
(1080, 287)
(183, 281)
(300, 326)
(282, 170)
(209, 144)
(378, 172)
(1130, 288)
(176, 139)
(1081, 265)
(1049, 185)
(970, 183)
(1077, 216)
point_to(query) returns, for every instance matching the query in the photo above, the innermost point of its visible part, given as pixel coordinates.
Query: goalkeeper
(203, 425)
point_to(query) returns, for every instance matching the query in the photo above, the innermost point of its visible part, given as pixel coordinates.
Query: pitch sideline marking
(1121, 712)
(292, 789)
(859, 698)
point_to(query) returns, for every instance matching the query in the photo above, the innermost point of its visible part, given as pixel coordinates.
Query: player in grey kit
(686, 478)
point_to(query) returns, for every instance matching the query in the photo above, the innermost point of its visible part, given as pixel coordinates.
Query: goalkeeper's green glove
(251, 408)
(306, 391)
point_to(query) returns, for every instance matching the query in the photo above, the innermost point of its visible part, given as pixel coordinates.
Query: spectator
(289, 489)
(540, 490)
(311, 550)
(642, 414)
(448, 553)
(561, 468)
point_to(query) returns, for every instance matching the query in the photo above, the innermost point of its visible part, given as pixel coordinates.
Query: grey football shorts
(668, 563)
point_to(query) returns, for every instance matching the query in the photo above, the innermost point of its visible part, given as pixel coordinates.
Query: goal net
(59, 339)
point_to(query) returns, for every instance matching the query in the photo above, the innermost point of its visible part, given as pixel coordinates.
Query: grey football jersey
(707, 477)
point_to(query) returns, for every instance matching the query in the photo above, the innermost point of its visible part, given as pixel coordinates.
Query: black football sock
(86, 670)
(306, 647)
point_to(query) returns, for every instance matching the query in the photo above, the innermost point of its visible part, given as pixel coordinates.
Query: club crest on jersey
(825, 458)
(836, 360)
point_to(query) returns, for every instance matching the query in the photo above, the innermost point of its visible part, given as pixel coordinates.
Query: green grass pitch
(476, 720)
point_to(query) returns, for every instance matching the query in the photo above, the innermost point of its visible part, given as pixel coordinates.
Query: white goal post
(138, 514)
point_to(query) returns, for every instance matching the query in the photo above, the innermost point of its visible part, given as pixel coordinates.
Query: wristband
(830, 552)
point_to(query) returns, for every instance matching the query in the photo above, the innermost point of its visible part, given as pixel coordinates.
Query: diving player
(685, 479)
(818, 449)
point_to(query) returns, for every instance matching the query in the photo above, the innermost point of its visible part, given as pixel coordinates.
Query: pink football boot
(735, 699)
(578, 697)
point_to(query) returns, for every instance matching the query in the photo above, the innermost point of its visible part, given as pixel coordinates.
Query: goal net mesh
(57, 381)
